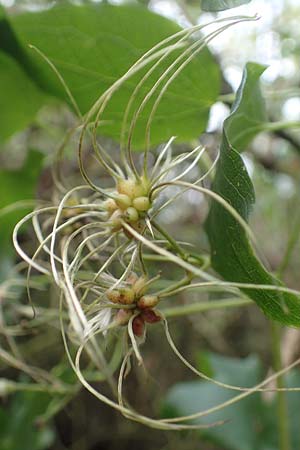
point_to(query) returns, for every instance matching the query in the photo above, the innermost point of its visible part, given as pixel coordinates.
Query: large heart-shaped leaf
(20, 98)
(221, 5)
(231, 252)
(251, 422)
(93, 45)
(17, 185)
(239, 432)
(18, 429)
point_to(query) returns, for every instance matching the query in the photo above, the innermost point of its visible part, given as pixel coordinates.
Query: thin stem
(171, 289)
(281, 125)
(178, 311)
(169, 238)
(282, 407)
(150, 257)
(292, 241)
(141, 259)
(10, 387)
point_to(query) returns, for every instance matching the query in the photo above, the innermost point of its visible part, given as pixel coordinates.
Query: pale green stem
(170, 239)
(281, 125)
(178, 311)
(226, 98)
(282, 407)
(292, 241)
(9, 387)
(149, 257)
(184, 282)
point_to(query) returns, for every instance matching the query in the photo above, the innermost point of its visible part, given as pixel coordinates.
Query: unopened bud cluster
(130, 202)
(142, 304)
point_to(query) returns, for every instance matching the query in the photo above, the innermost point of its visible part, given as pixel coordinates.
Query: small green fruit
(127, 296)
(116, 220)
(123, 201)
(139, 190)
(131, 214)
(110, 206)
(113, 296)
(127, 187)
(141, 203)
(147, 301)
(139, 286)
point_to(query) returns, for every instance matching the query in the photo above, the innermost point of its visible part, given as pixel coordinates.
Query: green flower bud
(147, 301)
(133, 188)
(116, 220)
(113, 296)
(127, 296)
(139, 285)
(139, 190)
(123, 201)
(141, 203)
(110, 206)
(131, 214)
(127, 187)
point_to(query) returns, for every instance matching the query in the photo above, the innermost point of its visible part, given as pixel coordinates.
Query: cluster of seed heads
(130, 202)
(142, 304)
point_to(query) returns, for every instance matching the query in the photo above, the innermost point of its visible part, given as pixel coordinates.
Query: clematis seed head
(150, 316)
(131, 214)
(127, 187)
(123, 201)
(141, 203)
(113, 296)
(123, 316)
(116, 220)
(138, 326)
(127, 296)
(139, 286)
(110, 205)
(147, 301)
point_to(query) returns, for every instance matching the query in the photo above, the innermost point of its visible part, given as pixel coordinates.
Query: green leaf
(252, 422)
(17, 185)
(18, 429)
(20, 99)
(221, 5)
(268, 440)
(93, 45)
(244, 417)
(231, 252)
